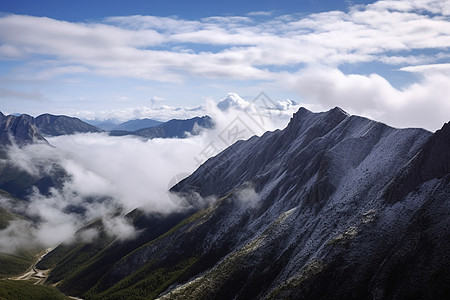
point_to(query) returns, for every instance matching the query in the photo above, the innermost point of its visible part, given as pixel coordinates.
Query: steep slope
(83, 264)
(304, 213)
(319, 184)
(137, 124)
(51, 125)
(171, 129)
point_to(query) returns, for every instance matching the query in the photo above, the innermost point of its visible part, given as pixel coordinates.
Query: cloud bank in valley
(107, 174)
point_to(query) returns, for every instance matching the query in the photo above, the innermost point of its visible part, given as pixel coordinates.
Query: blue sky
(387, 60)
(94, 10)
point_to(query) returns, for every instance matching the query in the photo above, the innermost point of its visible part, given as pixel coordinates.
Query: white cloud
(17, 235)
(106, 174)
(286, 104)
(428, 69)
(422, 104)
(232, 100)
(119, 227)
(163, 113)
(432, 6)
(142, 46)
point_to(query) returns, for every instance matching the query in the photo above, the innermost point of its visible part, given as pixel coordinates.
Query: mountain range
(133, 125)
(333, 206)
(24, 129)
(174, 128)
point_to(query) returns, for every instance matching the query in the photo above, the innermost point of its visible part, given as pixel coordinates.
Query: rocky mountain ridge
(18, 129)
(332, 207)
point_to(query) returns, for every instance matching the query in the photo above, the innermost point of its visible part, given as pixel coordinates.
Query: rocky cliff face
(332, 207)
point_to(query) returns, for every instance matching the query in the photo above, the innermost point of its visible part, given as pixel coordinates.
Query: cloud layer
(109, 174)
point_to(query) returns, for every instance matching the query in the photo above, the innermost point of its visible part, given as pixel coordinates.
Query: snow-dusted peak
(304, 119)
(232, 100)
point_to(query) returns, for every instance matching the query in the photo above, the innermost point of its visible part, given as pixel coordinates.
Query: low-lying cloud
(105, 175)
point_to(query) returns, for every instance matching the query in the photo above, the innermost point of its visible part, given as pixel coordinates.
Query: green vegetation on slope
(14, 264)
(146, 283)
(19, 290)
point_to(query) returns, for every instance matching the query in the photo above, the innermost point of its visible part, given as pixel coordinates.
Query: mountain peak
(316, 124)
(338, 110)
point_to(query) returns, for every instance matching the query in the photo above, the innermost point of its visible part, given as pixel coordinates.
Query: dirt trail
(35, 274)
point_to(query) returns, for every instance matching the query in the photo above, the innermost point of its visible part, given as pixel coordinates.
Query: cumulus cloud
(232, 100)
(422, 104)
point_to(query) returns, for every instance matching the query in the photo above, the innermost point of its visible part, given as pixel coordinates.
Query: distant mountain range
(105, 125)
(332, 207)
(24, 129)
(171, 129)
(50, 125)
(131, 125)
(137, 124)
